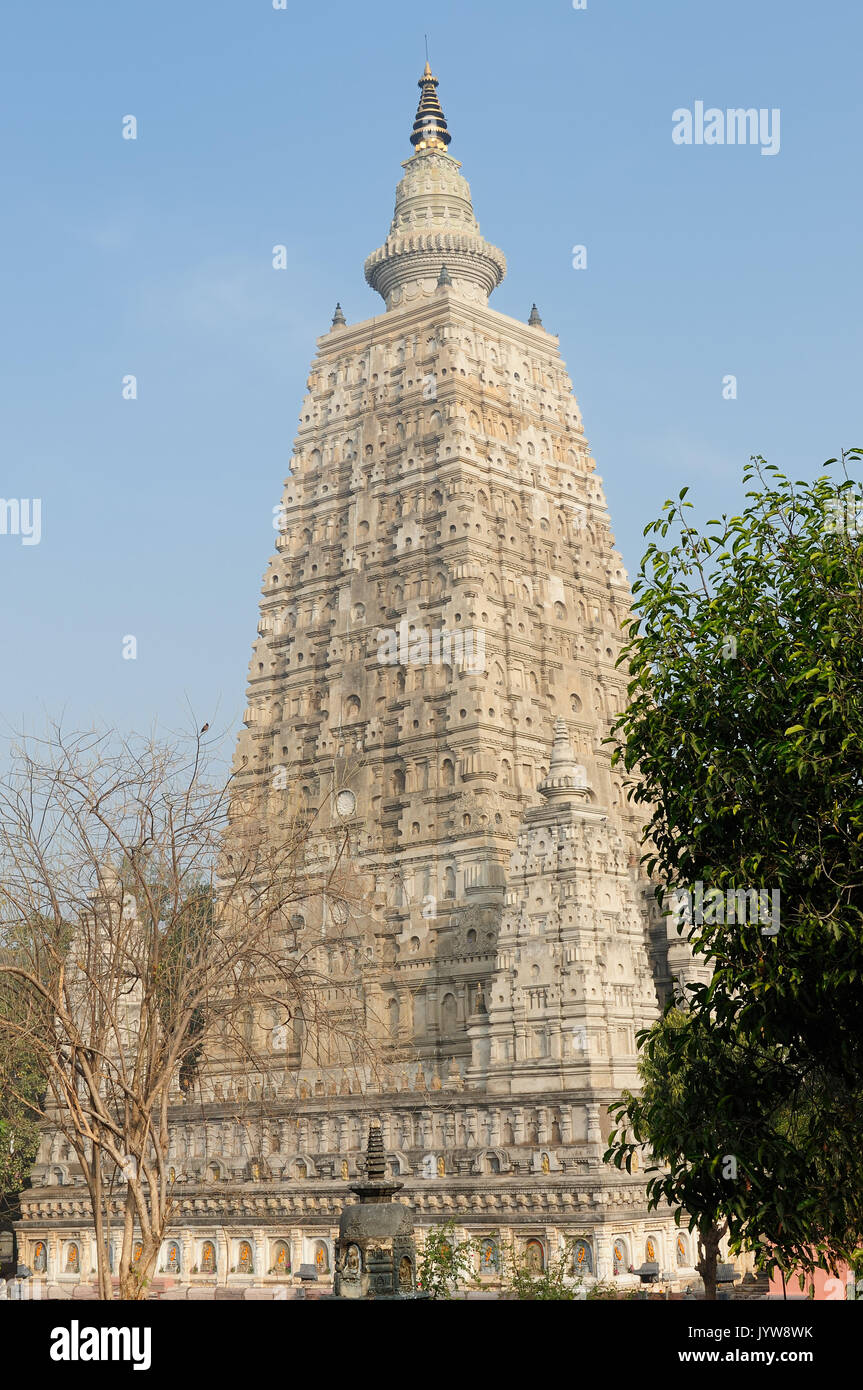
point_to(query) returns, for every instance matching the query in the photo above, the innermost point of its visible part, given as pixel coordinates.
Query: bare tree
(145, 927)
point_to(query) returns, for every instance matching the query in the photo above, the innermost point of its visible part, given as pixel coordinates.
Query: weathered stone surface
(375, 1252)
(378, 1222)
(434, 677)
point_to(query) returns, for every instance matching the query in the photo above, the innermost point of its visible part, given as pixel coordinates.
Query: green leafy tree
(22, 1085)
(22, 1079)
(693, 1114)
(445, 1264)
(742, 737)
(556, 1282)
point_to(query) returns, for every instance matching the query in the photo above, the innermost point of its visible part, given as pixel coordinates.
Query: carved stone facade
(434, 677)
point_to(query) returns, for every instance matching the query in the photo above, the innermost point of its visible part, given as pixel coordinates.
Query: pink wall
(827, 1286)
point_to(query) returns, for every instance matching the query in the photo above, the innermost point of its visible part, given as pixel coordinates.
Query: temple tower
(431, 687)
(444, 588)
(572, 984)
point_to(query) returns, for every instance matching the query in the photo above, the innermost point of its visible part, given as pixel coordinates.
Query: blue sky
(259, 126)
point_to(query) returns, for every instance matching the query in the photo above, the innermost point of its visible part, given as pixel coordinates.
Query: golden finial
(429, 132)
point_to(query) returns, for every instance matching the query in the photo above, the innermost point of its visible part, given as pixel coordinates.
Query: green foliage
(447, 1265)
(700, 1107)
(22, 1081)
(22, 1086)
(604, 1290)
(743, 738)
(444, 1263)
(554, 1283)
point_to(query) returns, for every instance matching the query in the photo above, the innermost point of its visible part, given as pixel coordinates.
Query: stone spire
(434, 221)
(534, 321)
(375, 1188)
(339, 320)
(376, 1164)
(375, 1251)
(429, 132)
(566, 777)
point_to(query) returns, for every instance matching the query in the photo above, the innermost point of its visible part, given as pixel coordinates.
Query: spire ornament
(566, 777)
(375, 1187)
(534, 321)
(434, 221)
(375, 1252)
(339, 320)
(429, 129)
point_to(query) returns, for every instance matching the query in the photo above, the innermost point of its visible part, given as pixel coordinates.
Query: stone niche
(375, 1254)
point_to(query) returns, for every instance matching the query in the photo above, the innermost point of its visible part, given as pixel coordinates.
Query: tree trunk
(708, 1258)
(102, 1227)
(136, 1275)
(124, 1271)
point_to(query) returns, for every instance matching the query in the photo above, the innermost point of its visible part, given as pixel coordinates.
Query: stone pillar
(224, 1254)
(471, 1128)
(479, 1032)
(344, 1133)
(431, 1009)
(426, 1135)
(603, 1262)
(594, 1132)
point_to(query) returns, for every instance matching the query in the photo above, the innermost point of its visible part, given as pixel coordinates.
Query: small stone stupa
(375, 1252)
(566, 778)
